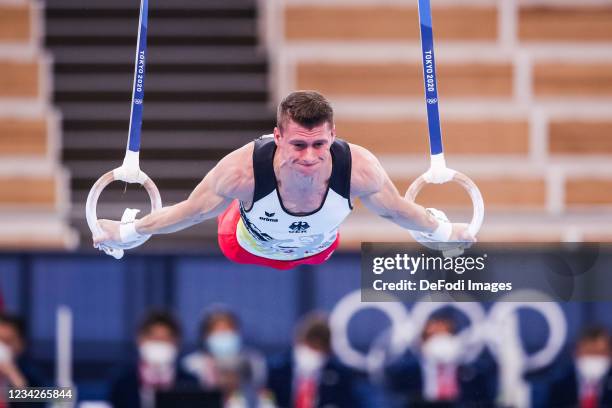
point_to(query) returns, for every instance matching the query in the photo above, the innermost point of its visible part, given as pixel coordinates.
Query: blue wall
(109, 297)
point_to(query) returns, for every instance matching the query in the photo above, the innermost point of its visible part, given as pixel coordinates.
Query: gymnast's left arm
(371, 183)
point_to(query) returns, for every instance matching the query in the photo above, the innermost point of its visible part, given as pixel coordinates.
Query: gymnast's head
(304, 131)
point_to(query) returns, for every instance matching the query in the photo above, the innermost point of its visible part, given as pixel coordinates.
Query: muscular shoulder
(367, 174)
(233, 174)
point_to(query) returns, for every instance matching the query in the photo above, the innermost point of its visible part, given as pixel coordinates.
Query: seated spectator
(224, 363)
(587, 381)
(310, 376)
(436, 374)
(16, 370)
(156, 367)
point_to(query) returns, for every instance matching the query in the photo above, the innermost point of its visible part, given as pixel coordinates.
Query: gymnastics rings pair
(438, 173)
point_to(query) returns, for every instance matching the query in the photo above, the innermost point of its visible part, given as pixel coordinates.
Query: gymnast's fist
(110, 232)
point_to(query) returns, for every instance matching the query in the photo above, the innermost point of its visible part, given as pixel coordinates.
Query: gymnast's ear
(277, 135)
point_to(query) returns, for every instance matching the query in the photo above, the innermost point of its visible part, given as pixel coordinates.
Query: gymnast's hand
(110, 232)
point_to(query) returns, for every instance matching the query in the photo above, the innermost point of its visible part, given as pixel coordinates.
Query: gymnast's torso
(269, 230)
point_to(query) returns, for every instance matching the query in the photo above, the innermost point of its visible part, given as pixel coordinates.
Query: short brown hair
(594, 333)
(314, 331)
(162, 318)
(306, 108)
(215, 315)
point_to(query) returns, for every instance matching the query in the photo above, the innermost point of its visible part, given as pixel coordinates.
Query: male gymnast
(280, 200)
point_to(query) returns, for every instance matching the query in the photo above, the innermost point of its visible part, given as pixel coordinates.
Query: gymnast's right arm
(231, 178)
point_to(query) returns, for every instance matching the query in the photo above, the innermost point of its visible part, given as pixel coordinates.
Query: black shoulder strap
(340, 180)
(263, 167)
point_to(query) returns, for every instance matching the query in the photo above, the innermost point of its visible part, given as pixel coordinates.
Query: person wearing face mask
(587, 383)
(224, 363)
(310, 376)
(437, 376)
(155, 369)
(16, 370)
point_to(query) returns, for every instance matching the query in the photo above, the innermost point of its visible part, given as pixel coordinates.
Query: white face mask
(158, 352)
(6, 354)
(592, 368)
(223, 345)
(443, 349)
(307, 360)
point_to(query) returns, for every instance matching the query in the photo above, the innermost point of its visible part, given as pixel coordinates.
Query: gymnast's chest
(269, 216)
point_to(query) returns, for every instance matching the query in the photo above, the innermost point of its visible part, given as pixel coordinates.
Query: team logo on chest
(299, 227)
(268, 217)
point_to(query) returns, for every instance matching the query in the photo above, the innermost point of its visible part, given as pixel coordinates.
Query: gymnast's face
(305, 150)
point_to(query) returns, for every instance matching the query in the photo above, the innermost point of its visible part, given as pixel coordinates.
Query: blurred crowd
(226, 372)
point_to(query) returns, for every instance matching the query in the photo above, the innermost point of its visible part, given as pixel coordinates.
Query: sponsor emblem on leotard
(299, 227)
(268, 217)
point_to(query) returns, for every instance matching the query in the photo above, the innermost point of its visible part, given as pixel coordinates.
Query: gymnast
(280, 199)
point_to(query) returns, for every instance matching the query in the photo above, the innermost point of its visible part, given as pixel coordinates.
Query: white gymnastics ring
(92, 202)
(477, 204)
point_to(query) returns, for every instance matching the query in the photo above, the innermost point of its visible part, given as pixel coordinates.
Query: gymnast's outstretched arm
(371, 183)
(231, 178)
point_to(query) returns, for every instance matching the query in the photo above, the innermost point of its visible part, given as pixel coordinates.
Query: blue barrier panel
(600, 313)
(92, 287)
(263, 298)
(10, 283)
(334, 279)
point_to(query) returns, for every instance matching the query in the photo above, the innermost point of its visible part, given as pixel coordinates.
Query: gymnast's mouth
(308, 167)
